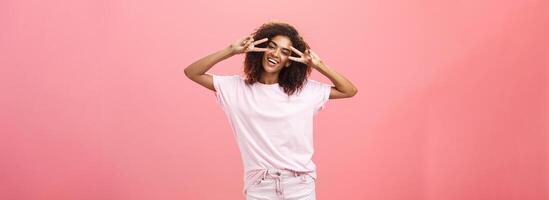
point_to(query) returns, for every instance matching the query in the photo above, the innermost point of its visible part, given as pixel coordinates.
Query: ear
(288, 63)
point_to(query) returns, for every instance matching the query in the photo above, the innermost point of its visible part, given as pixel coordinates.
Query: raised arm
(197, 70)
(343, 88)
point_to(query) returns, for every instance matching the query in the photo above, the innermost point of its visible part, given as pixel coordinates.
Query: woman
(271, 109)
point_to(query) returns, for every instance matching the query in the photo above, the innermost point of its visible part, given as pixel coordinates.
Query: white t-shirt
(273, 131)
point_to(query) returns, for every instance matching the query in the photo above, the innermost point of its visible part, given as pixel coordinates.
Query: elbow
(187, 73)
(353, 92)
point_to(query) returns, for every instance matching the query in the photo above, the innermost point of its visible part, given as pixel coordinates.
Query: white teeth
(272, 61)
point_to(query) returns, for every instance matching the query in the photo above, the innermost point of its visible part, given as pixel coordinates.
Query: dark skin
(278, 51)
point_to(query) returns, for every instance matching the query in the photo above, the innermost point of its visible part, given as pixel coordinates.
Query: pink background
(453, 98)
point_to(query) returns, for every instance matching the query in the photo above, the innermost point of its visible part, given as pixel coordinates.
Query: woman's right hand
(247, 44)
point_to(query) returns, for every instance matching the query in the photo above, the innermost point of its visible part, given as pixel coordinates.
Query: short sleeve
(321, 93)
(225, 88)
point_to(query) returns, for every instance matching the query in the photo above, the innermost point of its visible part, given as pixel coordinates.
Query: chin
(270, 69)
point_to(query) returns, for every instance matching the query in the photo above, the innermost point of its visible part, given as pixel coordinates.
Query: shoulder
(314, 84)
(226, 82)
(226, 78)
(229, 77)
(318, 88)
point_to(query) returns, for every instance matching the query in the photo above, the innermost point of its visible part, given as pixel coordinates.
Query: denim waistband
(277, 175)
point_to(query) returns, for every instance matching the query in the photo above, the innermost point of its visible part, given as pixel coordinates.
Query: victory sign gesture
(308, 58)
(247, 44)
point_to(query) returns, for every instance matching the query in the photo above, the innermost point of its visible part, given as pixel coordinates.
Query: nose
(277, 52)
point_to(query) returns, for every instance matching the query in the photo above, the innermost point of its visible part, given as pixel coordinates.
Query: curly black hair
(292, 78)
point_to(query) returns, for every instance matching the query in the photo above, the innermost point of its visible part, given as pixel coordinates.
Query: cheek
(284, 59)
(269, 51)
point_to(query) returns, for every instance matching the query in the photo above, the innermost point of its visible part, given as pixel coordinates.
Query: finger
(307, 57)
(243, 42)
(261, 41)
(245, 39)
(294, 59)
(301, 60)
(258, 49)
(313, 54)
(248, 42)
(296, 51)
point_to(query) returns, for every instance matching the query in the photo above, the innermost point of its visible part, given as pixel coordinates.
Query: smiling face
(276, 56)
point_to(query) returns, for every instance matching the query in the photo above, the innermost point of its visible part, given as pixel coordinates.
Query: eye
(286, 52)
(271, 45)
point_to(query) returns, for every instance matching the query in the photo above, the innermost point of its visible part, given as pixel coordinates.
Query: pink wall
(452, 103)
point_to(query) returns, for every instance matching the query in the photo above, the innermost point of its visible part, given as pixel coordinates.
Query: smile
(272, 61)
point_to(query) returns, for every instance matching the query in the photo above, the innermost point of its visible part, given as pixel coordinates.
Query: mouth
(272, 61)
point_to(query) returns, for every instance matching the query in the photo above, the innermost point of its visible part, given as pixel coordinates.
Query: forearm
(201, 66)
(341, 83)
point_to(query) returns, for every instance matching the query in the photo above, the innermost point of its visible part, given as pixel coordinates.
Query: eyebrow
(282, 47)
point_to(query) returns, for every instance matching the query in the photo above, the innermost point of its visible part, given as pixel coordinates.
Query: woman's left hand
(308, 58)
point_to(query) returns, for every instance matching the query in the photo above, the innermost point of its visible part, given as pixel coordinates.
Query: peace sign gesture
(247, 44)
(308, 58)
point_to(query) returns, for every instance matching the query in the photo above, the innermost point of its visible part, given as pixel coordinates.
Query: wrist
(320, 65)
(230, 51)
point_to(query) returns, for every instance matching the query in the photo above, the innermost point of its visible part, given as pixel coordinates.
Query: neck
(268, 78)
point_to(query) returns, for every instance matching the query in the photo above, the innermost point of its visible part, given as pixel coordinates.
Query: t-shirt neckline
(267, 85)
